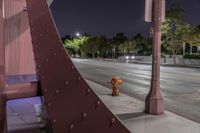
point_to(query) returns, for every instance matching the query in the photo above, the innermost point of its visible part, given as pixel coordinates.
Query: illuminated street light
(78, 34)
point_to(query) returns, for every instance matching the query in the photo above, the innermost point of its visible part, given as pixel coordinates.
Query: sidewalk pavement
(22, 116)
(130, 112)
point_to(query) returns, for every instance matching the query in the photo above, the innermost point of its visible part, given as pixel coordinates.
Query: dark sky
(97, 17)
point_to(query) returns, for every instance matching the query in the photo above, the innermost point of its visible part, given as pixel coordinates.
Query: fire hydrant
(116, 82)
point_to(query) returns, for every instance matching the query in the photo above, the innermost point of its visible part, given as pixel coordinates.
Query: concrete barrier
(179, 60)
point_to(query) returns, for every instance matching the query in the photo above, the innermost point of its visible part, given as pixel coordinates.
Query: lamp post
(151, 37)
(154, 100)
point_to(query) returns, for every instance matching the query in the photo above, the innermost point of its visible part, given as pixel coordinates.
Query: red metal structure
(33, 61)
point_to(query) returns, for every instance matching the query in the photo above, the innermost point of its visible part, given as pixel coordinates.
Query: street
(180, 86)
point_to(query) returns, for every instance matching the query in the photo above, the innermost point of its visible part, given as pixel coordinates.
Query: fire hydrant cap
(117, 79)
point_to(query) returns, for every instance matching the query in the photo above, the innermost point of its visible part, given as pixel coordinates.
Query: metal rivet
(54, 121)
(54, 54)
(88, 91)
(45, 90)
(84, 115)
(71, 126)
(57, 91)
(112, 120)
(47, 60)
(66, 82)
(49, 104)
(97, 104)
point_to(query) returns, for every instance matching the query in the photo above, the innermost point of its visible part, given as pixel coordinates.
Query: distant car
(129, 58)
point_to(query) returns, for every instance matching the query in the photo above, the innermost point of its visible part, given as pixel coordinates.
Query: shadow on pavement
(26, 130)
(130, 115)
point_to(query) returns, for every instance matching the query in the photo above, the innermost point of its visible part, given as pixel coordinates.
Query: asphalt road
(180, 86)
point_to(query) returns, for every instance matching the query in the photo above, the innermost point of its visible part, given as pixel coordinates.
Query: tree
(93, 45)
(66, 37)
(127, 47)
(71, 47)
(194, 36)
(173, 30)
(118, 39)
(83, 42)
(77, 44)
(143, 46)
(104, 46)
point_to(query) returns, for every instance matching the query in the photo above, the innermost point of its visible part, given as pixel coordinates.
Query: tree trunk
(174, 56)
(184, 48)
(172, 44)
(82, 54)
(93, 55)
(190, 48)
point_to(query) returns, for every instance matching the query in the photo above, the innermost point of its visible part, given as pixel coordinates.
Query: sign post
(154, 100)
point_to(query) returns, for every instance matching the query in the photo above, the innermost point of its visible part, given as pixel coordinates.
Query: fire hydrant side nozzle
(116, 82)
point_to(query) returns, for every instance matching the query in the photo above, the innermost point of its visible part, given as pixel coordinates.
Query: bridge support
(71, 105)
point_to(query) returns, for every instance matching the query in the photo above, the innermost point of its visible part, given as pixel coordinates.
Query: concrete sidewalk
(22, 115)
(22, 118)
(130, 112)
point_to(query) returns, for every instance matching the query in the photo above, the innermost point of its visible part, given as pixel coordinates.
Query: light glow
(78, 34)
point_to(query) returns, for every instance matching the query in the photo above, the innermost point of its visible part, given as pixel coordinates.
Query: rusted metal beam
(71, 104)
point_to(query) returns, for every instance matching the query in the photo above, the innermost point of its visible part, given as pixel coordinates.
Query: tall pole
(2, 73)
(184, 48)
(154, 100)
(190, 48)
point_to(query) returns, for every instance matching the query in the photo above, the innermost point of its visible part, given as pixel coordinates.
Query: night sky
(108, 17)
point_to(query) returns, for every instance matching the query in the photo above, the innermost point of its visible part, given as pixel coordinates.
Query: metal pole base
(154, 106)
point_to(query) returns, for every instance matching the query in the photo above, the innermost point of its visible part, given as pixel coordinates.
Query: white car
(129, 58)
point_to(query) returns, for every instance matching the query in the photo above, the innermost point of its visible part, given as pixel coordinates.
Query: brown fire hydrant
(116, 82)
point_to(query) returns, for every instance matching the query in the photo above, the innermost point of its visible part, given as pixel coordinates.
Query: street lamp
(154, 99)
(78, 34)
